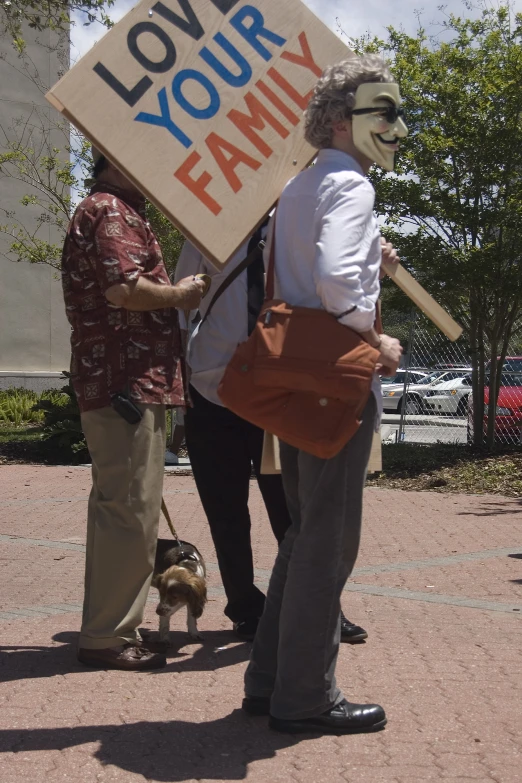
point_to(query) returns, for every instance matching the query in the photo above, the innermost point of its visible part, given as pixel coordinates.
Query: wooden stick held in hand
(423, 300)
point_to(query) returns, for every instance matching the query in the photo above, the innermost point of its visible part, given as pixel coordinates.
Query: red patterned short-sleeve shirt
(113, 349)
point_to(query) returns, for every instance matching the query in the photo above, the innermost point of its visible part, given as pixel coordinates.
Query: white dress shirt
(328, 243)
(211, 347)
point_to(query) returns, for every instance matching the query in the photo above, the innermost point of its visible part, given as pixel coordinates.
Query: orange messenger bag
(301, 375)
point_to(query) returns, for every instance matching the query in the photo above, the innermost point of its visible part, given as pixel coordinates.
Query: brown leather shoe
(131, 658)
(154, 645)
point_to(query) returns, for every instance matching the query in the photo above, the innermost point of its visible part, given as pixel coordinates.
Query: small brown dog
(179, 576)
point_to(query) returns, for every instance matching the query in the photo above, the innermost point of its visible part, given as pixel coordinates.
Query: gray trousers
(297, 642)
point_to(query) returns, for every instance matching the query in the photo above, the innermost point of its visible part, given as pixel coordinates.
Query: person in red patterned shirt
(125, 370)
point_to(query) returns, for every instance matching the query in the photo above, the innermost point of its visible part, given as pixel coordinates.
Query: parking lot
(423, 429)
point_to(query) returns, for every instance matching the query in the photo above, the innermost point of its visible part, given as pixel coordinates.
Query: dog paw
(197, 637)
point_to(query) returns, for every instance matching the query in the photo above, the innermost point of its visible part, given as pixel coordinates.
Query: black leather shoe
(350, 632)
(345, 718)
(246, 629)
(256, 705)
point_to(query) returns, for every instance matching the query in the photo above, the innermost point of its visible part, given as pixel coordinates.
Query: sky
(356, 18)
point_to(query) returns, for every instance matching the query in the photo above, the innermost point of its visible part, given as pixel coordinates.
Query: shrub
(61, 418)
(17, 407)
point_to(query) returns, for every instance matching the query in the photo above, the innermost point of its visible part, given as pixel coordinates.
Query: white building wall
(34, 333)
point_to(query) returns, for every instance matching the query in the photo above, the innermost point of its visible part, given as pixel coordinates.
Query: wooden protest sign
(375, 461)
(424, 301)
(270, 457)
(200, 104)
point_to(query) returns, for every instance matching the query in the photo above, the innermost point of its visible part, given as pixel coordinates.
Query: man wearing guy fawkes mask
(377, 123)
(328, 252)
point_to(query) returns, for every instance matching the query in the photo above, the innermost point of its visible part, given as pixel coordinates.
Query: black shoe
(256, 705)
(351, 632)
(246, 629)
(345, 718)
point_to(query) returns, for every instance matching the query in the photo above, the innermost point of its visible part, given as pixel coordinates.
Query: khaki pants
(122, 522)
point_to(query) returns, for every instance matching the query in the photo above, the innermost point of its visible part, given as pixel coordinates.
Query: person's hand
(390, 356)
(187, 292)
(389, 256)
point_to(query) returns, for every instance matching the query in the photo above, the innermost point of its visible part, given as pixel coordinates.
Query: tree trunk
(494, 368)
(477, 363)
(502, 336)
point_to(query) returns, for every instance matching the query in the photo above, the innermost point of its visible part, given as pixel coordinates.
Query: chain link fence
(428, 401)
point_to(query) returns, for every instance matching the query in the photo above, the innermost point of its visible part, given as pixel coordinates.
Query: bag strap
(258, 248)
(270, 272)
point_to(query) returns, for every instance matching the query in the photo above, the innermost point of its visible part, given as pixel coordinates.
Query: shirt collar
(136, 201)
(331, 155)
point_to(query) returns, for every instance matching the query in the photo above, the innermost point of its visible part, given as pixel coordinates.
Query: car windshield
(513, 365)
(397, 378)
(508, 379)
(413, 377)
(432, 376)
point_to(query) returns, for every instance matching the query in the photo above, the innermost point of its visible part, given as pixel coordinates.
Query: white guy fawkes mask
(377, 122)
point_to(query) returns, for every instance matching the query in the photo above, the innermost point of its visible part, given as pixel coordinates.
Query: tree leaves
(454, 203)
(49, 14)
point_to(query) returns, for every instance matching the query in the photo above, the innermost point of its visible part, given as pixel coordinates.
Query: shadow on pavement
(494, 508)
(218, 650)
(165, 750)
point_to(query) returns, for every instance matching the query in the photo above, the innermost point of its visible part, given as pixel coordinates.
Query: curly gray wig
(334, 95)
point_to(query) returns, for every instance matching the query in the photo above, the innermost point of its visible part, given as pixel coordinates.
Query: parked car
(393, 393)
(511, 364)
(449, 397)
(451, 367)
(508, 421)
(414, 376)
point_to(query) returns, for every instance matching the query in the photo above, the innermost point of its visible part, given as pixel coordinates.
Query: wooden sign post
(424, 301)
(200, 104)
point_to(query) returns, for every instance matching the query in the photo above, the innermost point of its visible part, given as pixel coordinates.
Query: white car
(393, 390)
(449, 398)
(414, 376)
(392, 394)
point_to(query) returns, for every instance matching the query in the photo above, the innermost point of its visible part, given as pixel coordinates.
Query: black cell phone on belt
(126, 408)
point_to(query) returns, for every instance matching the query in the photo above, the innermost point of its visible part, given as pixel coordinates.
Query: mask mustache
(396, 139)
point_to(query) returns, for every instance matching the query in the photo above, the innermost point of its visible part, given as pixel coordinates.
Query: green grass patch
(451, 468)
(10, 434)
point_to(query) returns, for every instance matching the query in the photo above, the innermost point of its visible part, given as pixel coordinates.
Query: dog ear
(156, 581)
(197, 597)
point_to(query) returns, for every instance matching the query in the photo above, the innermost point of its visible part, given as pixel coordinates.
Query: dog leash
(169, 520)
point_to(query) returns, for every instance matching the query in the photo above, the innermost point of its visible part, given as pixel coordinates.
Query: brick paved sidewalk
(438, 585)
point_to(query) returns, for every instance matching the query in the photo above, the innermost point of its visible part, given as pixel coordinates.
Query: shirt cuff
(359, 320)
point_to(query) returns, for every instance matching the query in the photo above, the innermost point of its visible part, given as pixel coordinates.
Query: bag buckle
(268, 317)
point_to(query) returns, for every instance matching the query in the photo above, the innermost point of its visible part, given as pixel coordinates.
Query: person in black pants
(222, 447)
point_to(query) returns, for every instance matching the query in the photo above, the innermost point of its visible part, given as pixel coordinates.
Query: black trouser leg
(271, 486)
(221, 462)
